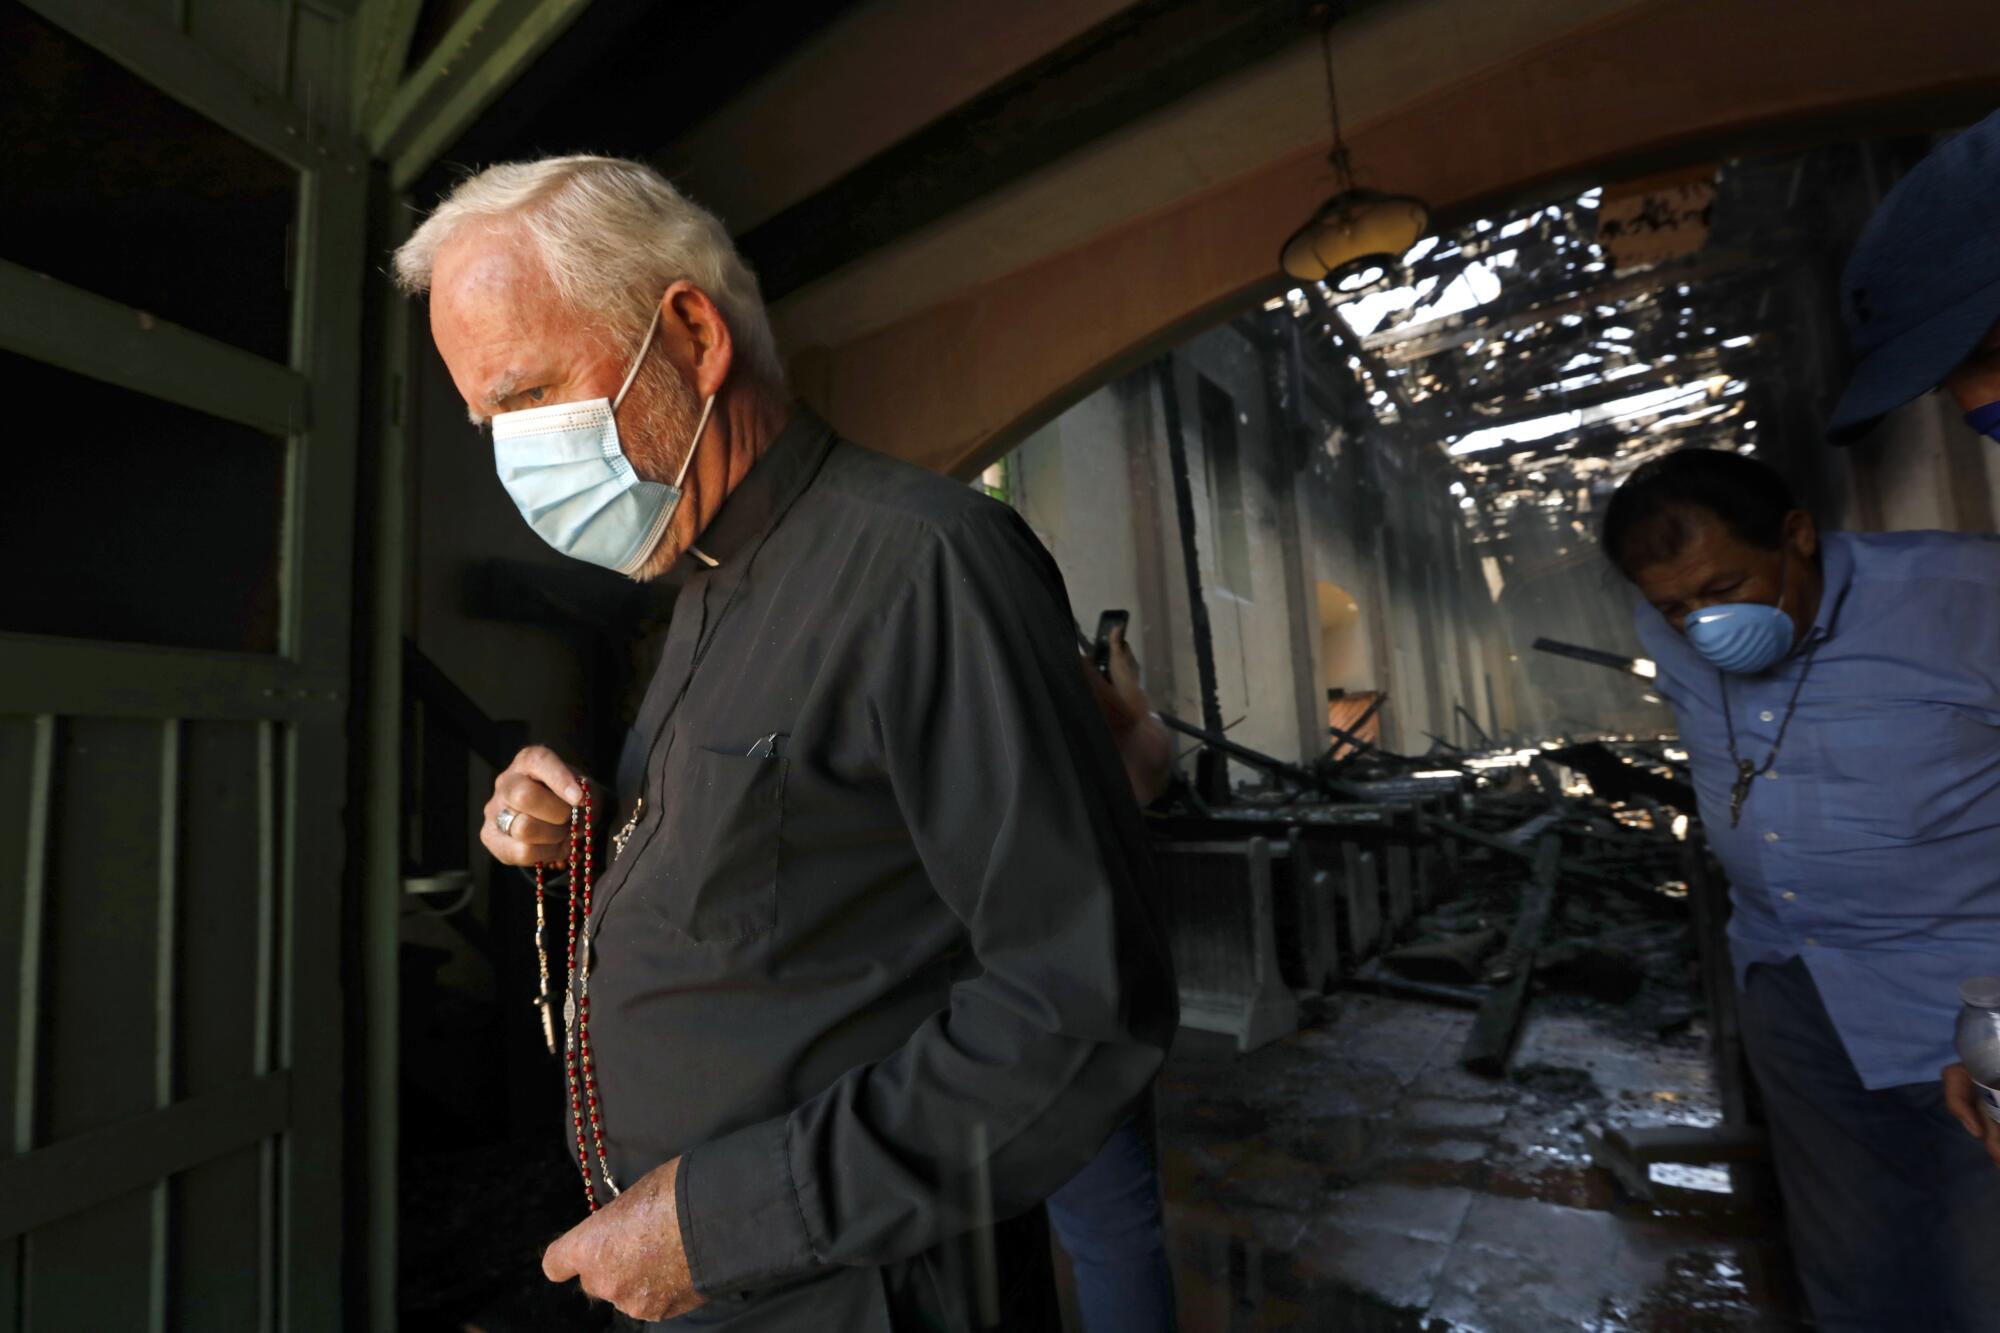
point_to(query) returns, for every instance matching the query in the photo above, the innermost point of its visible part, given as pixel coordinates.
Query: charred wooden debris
(1482, 879)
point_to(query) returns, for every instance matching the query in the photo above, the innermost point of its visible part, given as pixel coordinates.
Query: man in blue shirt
(1839, 699)
(1921, 300)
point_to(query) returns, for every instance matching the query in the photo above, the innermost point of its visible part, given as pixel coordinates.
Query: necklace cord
(1791, 707)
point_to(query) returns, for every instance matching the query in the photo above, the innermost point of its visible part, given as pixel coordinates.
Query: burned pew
(1223, 932)
(1334, 882)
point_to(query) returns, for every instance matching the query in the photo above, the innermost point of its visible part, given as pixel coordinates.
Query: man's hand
(540, 789)
(1963, 1103)
(1122, 699)
(1143, 743)
(630, 1252)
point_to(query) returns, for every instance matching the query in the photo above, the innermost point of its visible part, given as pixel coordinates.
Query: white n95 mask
(564, 469)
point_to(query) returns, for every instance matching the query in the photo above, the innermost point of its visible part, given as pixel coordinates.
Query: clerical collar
(765, 490)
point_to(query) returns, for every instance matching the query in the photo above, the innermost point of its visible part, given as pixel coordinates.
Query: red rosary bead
(578, 1062)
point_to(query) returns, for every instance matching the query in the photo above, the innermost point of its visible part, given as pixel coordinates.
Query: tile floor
(1349, 1177)
(1353, 1177)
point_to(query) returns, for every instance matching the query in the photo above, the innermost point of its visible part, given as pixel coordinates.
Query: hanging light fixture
(1358, 228)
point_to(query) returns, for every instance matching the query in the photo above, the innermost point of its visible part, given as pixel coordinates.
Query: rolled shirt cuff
(741, 1224)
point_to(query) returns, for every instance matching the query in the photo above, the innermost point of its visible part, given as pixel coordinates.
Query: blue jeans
(1892, 1209)
(1108, 1220)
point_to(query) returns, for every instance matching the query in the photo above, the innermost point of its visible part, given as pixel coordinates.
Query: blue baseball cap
(1923, 284)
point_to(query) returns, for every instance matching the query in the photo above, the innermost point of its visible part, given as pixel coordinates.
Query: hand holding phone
(1100, 648)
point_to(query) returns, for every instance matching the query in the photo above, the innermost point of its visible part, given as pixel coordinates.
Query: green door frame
(299, 696)
(302, 696)
(406, 119)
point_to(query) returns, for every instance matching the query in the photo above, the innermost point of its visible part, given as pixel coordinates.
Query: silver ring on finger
(504, 821)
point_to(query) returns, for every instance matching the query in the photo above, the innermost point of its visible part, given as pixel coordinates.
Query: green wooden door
(181, 261)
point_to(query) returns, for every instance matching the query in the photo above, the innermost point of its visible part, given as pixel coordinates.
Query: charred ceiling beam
(1506, 404)
(1583, 399)
(1403, 346)
(1598, 454)
(1449, 258)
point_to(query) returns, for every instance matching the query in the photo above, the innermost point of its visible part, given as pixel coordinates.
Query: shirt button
(1771, 773)
(1771, 836)
(1788, 895)
(1811, 943)
(1768, 716)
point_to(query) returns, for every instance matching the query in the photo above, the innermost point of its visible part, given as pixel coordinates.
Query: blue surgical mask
(1985, 420)
(1744, 637)
(567, 473)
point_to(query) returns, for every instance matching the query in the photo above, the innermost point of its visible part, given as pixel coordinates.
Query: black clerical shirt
(880, 961)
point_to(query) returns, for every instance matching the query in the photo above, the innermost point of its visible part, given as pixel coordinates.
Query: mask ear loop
(652, 327)
(701, 426)
(700, 429)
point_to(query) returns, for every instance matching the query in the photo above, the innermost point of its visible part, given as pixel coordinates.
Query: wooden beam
(383, 563)
(1122, 69)
(383, 30)
(477, 61)
(396, 120)
(175, 63)
(761, 142)
(1499, 1018)
(166, 1006)
(525, 42)
(66, 326)
(66, 1178)
(83, 678)
(1465, 417)
(1498, 843)
(33, 939)
(1402, 345)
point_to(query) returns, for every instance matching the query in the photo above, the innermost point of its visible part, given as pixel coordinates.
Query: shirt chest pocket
(1900, 773)
(715, 876)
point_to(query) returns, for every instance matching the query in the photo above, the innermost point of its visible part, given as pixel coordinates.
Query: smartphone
(1100, 648)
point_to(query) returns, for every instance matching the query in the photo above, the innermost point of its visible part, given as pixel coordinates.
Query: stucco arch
(1456, 103)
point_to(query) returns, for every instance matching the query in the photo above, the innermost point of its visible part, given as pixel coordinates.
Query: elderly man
(1839, 698)
(1922, 305)
(871, 971)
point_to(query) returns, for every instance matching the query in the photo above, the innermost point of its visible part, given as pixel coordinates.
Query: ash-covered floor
(1348, 1177)
(1353, 1177)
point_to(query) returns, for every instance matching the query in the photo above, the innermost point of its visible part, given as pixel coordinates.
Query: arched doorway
(948, 346)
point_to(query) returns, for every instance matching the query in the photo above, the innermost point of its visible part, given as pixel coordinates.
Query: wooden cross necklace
(1746, 772)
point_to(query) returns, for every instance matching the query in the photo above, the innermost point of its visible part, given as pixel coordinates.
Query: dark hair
(1652, 516)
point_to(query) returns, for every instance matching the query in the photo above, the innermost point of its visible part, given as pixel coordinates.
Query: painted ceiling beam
(383, 31)
(1119, 71)
(886, 69)
(1272, 111)
(481, 56)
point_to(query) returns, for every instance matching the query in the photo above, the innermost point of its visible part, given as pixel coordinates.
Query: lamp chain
(1343, 165)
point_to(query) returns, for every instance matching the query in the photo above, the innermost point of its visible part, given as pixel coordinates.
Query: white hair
(614, 235)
